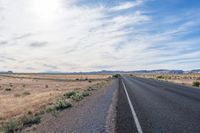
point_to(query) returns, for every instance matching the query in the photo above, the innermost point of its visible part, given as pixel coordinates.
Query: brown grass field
(60, 76)
(19, 96)
(185, 79)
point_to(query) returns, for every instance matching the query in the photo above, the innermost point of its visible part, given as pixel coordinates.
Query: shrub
(30, 120)
(8, 89)
(30, 112)
(90, 81)
(77, 97)
(26, 93)
(69, 94)
(41, 112)
(160, 77)
(196, 84)
(116, 76)
(90, 88)
(50, 109)
(10, 127)
(85, 93)
(46, 86)
(35, 120)
(62, 104)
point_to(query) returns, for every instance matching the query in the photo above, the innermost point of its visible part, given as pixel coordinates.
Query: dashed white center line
(138, 126)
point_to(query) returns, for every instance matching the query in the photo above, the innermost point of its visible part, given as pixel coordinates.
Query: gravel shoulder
(91, 115)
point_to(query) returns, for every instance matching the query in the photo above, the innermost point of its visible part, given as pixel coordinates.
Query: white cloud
(127, 5)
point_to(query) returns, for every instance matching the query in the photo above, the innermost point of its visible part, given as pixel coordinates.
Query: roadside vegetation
(59, 105)
(160, 77)
(116, 76)
(196, 84)
(17, 124)
(66, 101)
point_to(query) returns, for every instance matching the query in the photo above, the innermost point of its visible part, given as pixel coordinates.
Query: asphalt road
(160, 107)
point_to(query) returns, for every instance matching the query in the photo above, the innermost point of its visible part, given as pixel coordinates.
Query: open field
(59, 76)
(19, 96)
(185, 79)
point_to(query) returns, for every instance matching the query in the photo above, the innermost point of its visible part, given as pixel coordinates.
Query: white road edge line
(138, 126)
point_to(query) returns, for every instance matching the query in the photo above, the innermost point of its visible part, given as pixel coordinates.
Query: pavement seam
(138, 126)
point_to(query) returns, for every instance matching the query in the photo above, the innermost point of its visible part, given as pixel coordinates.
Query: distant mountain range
(159, 71)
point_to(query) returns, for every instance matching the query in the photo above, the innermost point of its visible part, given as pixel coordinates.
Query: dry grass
(186, 79)
(61, 76)
(30, 95)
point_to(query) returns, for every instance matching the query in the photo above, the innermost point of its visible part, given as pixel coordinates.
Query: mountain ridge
(156, 71)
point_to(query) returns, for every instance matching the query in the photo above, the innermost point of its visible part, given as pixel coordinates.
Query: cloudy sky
(90, 35)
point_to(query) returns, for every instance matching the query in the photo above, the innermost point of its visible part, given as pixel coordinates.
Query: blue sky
(91, 35)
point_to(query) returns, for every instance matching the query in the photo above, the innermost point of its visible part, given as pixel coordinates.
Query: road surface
(159, 107)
